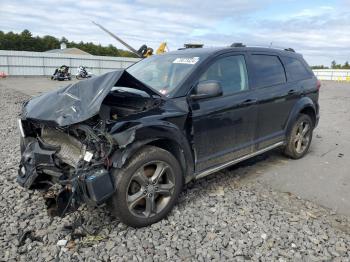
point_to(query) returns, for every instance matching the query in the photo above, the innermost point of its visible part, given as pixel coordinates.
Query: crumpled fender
(133, 138)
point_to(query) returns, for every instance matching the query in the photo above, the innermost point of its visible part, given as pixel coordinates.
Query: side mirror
(207, 89)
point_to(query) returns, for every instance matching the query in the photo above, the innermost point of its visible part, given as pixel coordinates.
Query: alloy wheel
(150, 189)
(302, 137)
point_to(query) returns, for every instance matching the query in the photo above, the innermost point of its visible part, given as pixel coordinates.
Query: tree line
(334, 65)
(25, 41)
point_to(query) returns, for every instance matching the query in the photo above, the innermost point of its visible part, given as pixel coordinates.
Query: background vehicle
(82, 73)
(133, 137)
(61, 74)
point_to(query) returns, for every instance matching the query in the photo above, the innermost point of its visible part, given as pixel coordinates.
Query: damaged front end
(65, 141)
(70, 165)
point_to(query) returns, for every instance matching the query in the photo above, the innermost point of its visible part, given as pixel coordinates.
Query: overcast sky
(320, 30)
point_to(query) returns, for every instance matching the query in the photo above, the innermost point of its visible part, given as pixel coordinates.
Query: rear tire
(147, 188)
(300, 137)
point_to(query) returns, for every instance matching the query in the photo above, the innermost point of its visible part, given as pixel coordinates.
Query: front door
(223, 127)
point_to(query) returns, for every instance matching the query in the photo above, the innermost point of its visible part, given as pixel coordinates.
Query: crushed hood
(76, 102)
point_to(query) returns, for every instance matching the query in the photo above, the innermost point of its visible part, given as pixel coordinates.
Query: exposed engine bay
(75, 157)
(71, 163)
(115, 105)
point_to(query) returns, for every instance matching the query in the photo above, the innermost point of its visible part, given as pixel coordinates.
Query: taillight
(318, 84)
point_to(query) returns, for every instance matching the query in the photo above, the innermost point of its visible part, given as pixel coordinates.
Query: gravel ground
(222, 217)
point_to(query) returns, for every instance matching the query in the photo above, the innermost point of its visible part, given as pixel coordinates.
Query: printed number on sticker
(186, 60)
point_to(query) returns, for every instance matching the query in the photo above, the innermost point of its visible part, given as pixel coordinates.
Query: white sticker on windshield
(186, 60)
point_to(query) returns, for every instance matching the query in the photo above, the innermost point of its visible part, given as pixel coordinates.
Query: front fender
(132, 139)
(299, 106)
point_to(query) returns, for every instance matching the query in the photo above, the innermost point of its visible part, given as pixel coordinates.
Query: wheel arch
(175, 149)
(308, 110)
(303, 106)
(170, 139)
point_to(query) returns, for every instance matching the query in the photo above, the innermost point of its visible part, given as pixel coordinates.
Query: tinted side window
(230, 71)
(295, 69)
(268, 69)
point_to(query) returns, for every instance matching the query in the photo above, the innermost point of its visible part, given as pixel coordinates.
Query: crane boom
(118, 39)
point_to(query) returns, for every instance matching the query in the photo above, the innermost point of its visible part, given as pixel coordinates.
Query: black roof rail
(187, 46)
(237, 45)
(270, 46)
(289, 49)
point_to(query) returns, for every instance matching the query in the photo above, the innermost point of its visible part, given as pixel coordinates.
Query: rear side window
(268, 70)
(295, 69)
(230, 71)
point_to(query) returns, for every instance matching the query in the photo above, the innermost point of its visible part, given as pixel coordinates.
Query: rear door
(275, 97)
(223, 127)
(299, 75)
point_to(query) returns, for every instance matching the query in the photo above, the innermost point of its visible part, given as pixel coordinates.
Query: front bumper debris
(33, 159)
(63, 194)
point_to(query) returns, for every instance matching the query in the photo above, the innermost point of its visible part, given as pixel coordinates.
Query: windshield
(164, 72)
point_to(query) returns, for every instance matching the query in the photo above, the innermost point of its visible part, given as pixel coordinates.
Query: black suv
(132, 138)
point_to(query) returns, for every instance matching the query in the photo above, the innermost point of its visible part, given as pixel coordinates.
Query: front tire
(300, 137)
(147, 188)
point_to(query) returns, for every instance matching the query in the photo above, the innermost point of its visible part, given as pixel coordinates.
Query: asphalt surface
(258, 210)
(32, 86)
(323, 176)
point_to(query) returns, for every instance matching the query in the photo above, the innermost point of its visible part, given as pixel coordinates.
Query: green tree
(333, 64)
(319, 67)
(25, 41)
(64, 40)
